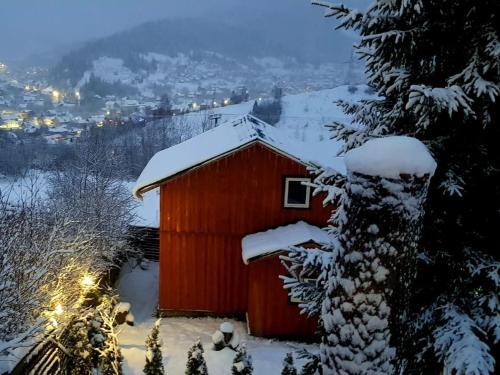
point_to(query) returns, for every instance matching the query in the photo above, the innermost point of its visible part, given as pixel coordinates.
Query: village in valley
(249, 189)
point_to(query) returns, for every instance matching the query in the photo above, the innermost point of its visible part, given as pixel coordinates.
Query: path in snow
(140, 288)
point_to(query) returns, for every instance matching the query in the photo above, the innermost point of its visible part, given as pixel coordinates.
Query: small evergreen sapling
(154, 363)
(313, 364)
(242, 363)
(196, 364)
(80, 359)
(288, 367)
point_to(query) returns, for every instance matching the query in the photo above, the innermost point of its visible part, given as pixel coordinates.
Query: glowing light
(11, 125)
(77, 94)
(227, 101)
(56, 95)
(58, 309)
(88, 281)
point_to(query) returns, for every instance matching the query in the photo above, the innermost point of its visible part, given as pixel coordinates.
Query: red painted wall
(205, 213)
(270, 314)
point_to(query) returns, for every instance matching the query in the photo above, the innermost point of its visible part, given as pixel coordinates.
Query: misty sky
(31, 27)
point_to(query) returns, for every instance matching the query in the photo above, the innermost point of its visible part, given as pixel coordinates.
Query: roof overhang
(140, 190)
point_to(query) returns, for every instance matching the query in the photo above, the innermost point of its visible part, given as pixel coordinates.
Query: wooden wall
(205, 213)
(270, 314)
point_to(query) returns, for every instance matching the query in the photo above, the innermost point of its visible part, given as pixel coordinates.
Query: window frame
(304, 206)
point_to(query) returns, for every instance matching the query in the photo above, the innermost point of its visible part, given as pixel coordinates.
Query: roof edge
(139, 191)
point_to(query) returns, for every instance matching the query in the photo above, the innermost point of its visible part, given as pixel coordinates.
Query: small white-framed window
(297, 194)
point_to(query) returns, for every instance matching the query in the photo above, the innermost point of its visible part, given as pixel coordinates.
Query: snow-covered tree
(154, 359)
(196, 364)
(436, 67)
(242, 363)
(288, 366)
(80, 349)
(49, 266)
(90, 192)
(312, 365)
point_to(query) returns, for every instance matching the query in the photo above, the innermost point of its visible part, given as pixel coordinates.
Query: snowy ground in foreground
(140, 288)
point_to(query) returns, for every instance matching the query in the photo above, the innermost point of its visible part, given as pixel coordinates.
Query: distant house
(231, 200)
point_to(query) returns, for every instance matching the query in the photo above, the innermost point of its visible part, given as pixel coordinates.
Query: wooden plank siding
(205, 212)
(270, 313)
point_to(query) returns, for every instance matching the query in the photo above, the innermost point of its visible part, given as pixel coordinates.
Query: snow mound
(226, 327)
(390, 157)
(281, 238)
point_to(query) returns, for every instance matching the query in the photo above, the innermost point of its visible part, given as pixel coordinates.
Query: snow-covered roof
(222, 140)
(390, 157)
(273, 240)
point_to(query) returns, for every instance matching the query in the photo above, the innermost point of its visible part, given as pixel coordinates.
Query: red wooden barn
(237, 181)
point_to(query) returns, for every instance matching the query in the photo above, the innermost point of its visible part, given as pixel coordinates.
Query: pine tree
(77, 341)
(436, 67)
(312, 366)
(154, 362)
(288, 367)
(242, 363)
(196, 364)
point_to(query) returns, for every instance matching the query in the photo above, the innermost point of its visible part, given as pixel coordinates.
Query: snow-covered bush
(51, 249)
(90, 343)
(154, 358)
(288, 366)
(242, 363)
(196, 364)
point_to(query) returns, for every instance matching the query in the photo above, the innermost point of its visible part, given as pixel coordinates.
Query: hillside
(177, 56)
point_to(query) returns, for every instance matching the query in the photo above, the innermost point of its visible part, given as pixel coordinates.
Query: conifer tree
(196, 364)
(242, 363)
(80, 359)
(312, 366)
(288, 366)
(154, 359)
(436, 68)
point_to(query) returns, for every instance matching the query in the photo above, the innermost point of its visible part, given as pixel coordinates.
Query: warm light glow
(11, 125)
(48, 121)
(88, 281)
(59, 309)
(226, 101)
(56, 95)
(77, 93)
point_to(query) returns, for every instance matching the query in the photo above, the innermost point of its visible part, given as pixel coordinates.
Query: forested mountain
(202, 41)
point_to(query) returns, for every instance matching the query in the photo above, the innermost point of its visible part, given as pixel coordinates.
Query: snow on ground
(140, 288)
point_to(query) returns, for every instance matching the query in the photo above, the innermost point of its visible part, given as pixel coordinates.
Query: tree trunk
(366, 307)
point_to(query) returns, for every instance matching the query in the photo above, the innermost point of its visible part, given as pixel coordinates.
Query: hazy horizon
(31, 27)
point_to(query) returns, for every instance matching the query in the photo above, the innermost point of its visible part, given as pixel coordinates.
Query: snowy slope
(304, 115)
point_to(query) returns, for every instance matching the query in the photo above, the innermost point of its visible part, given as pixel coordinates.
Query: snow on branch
(459, 346)
(350, 18)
